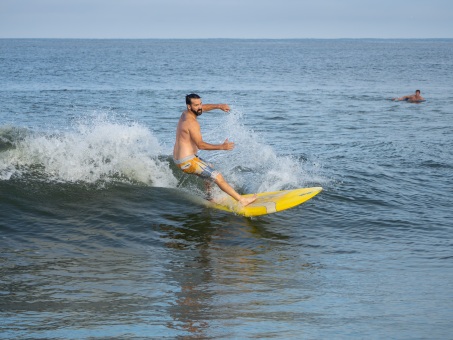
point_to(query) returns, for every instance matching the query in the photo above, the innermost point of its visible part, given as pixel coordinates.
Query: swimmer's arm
(401, 98)
(209, 107)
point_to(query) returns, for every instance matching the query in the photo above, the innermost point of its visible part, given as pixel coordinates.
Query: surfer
(189, 141)
(412, 98)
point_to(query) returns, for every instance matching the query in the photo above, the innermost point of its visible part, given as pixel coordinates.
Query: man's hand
(227, 145)
(224, 107)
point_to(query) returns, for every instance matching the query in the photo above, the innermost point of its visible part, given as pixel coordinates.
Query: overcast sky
(226, 19)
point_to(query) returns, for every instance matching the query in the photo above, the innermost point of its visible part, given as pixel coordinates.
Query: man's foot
(244, 201)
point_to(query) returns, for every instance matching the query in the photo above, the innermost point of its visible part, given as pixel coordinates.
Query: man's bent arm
(207, 146)
(195, 135)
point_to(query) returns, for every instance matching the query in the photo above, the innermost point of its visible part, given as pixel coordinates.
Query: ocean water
(100, 234)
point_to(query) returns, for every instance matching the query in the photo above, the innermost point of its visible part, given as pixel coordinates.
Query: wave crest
(95, 149)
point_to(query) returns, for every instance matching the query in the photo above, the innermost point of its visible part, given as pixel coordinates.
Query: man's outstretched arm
(209, 107)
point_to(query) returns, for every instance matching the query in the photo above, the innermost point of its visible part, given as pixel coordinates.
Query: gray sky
(226, 19)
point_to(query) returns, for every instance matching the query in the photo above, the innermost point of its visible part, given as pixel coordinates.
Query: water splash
(254, 166)
(95, 149)
(102, 148)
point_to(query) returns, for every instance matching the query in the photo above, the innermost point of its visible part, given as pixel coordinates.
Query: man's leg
(220, 181)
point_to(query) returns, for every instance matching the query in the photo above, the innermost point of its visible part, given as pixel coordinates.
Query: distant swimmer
(189, 141)
(413, 98)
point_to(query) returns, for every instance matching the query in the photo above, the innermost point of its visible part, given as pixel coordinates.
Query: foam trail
(97, 149)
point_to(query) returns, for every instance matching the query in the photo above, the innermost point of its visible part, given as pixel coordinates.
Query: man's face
(196, 106)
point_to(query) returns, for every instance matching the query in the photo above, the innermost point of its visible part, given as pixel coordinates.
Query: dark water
(101, 236)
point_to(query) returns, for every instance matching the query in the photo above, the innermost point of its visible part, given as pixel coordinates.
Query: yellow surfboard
(267, 202)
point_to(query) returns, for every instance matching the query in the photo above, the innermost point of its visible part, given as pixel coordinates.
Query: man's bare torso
(184, 145)
(415, 98)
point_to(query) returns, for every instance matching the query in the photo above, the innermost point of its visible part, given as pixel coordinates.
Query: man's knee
(219, 179)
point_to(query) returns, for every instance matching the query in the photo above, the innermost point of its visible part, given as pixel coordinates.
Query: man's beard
(197, 113)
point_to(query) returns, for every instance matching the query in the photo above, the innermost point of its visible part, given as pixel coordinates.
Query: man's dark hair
(417, 91)
(191, 96)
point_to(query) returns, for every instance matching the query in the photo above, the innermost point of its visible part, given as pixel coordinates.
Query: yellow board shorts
(195, 165)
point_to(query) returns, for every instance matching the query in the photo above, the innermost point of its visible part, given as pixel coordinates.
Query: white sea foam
(100, 148)
(254, 165)
(96, 148)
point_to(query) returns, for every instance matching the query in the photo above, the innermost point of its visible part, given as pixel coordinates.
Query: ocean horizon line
(218, 38)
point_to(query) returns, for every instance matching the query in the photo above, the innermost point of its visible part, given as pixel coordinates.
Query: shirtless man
(189, 141)
(413, 98)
